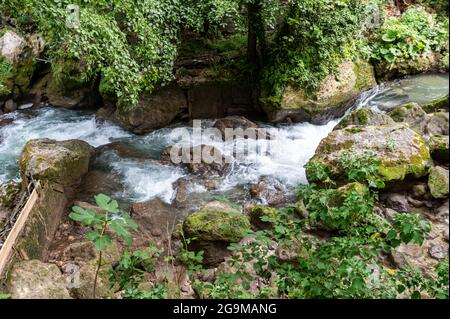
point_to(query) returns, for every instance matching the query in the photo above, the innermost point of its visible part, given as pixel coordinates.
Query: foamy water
(291, 147)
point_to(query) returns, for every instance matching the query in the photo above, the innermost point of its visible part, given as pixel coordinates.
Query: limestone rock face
(421, 64)
(330, 101)
(401, 151)
(62, 162)
(438, 182)
(33, 279)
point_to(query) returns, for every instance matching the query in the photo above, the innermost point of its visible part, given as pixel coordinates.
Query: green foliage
(132, 267)
(130, 44)
(108, 217)
(5, 296)
(361, 167)
(191, 259)
(338, 209)
(407, 228)
(5, 71)
(318, 172)
(235, 282)
(316, 37)
(416, 33)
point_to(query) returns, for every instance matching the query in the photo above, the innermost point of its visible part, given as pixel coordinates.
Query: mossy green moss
(436, 104)
(438, 182)
(415, 166)
(217, 226)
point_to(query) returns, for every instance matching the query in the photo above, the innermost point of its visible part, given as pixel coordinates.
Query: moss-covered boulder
(217, 222)
(421, 122)
(364, 117)
(33, 279)
(412, 114)
(331, 100)
(71, 95)
(8, 193)
(438, 182)
(400, 150)
(439, 147)
(436, 105)
(62, 162)
(422, 63)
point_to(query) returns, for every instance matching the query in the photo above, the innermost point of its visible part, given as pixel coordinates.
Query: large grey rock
(62, 162)
(34, 279)
(400, 150)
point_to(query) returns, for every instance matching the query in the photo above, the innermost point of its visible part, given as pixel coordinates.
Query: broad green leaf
(106, 203)
(103, 242)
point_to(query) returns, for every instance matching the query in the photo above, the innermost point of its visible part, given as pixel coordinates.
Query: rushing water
(143, 178)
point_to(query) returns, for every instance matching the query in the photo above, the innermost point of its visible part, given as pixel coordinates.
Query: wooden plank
(5, 252)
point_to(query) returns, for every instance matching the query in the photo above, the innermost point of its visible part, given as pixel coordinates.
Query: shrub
(415, 33)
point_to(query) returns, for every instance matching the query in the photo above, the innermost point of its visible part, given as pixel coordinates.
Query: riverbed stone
(202, 160)
(86, 282)
(62, 162)
(364, 117)
(438, 182)
(153, 111)
(401, 151)
(10, 106)
(412, 114)
(436, 105)
(437, 124)
(8, 193)
(330, 101)
(155, 219)
(269, 191)
(439, 148)
(239, 122)
(217, 222)
(34, 279)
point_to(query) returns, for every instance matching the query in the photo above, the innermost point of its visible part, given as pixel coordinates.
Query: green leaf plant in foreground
(107, 218)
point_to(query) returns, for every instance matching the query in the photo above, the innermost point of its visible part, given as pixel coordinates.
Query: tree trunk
(252, 38)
